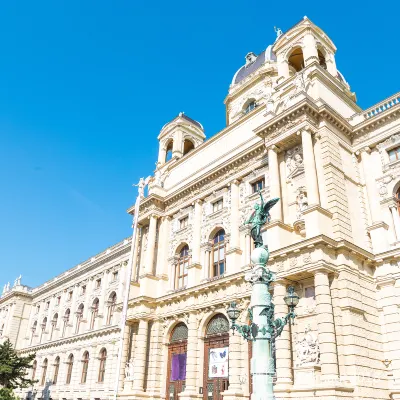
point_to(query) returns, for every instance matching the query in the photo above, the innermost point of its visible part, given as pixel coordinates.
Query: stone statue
(141, 185)
(260, 217)
(17, 282)
(278, 32)
(8, 286)
(129, 370)
(302, 203)
(4, 288)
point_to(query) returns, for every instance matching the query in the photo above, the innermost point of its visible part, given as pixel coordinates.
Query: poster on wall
(218, 362)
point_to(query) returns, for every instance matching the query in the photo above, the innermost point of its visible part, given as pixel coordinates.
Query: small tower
(302, 45)
(179, 137)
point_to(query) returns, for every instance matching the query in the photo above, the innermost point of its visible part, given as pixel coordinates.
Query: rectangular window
(257, 186)
(47, 305)
(115, 276)
(98, 283)
(37, 309)
(58, 301)
(309, 292)
(83, 290)
(218, 205)
(183, 223)
(70, 295)
(394, 154)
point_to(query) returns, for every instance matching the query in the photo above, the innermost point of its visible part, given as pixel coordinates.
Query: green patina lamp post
(263, 327)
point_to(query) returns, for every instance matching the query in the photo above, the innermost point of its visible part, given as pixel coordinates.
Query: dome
(253, 63)
(187, 119)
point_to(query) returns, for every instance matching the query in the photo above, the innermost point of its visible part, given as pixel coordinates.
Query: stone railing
(382, 106)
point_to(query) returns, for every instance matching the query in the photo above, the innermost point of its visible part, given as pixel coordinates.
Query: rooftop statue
(260, 217)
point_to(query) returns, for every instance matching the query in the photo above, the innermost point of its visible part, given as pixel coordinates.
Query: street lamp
(263, 327)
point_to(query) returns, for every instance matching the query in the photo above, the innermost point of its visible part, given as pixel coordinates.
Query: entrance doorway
(177, 349)
(216, 358)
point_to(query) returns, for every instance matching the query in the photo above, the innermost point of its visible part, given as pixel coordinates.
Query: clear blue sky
(85, 87)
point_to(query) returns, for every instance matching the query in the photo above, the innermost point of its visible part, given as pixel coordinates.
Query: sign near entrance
(218, 362)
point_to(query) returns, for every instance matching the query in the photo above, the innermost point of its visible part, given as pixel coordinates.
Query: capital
(365, 149)
(274, 148)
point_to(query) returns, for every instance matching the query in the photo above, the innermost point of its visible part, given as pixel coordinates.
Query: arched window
(181, 272)
(85, 366)
(66, 320)
(217, 325)
(102, 366)
(43, 328)
(44, 371)
(322, 60)
(34, 327)
(56, 369)
(70, 365)
(112, 301)
(250, 107)
(53, 325)
(179, 333)
(187, 146)
(1, 330)
(79, 316)
(218, 253)
(296, 59)
(34, 368)
(168, 150)
(95, 312)
(397, 195)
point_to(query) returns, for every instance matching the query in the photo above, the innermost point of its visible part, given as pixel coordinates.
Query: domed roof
(253, 62)
(188, 119)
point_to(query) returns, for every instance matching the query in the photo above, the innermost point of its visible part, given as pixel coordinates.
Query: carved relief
(302, 202)
(307, 348)
(294, 162)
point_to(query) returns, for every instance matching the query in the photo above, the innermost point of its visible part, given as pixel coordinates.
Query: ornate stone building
(293, 131)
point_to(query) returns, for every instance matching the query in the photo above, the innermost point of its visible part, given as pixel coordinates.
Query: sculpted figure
(260, 217)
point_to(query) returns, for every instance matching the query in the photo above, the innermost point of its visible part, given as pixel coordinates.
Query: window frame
(254, 185)
(217, 246)
(56, 370)
(217, 205)
(85, 367)
(112, 301)
(184, 222)
(396, 152)
(182, 262)
(70, 364)
(102, 366)
(44, 371)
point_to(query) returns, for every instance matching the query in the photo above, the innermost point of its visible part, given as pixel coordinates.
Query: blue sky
(85, 87)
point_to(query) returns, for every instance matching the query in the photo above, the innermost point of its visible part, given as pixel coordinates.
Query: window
(58, 301)
(37, 309)
(250, 107)
(218, 205)
(115, 276)
(397, 195)
(102, 367)
(112, 300)
(47, 305)
(309, 292)
(95, 312)
(85, 366)
(98, 283)
(257, 186)
(53, 325)
(34, 367)
(44, 371)
(70, 295)
(79, 316)
(66, 320)
(43, 326)
(394, 154)
(83, 289)
(181, 272)
(218, 253)
(187, 146)
(56, 369)
(33, 330)
(168, 150)
(296, 59)
(183, 223)
(70, 365)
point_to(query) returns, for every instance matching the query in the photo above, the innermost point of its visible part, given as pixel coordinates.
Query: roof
(190, 120)
(266, 56)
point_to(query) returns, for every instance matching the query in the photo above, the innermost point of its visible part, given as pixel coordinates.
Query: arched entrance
(216, 356)
(177, 349)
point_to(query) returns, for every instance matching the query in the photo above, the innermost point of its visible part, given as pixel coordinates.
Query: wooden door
(213, 387)
(178, 345)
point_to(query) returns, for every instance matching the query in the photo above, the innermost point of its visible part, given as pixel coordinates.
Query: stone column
(140, 356)
(177, 149)
(171, 274)
(151, 242)
(135, 274)
(283, 344)
(309, 48)
(234, 240)
(124, 356)
(372, 192)
(162, 247)
(235, 390)
(326, 326)
(274, 182)
(191, 361)
(310, 170)
(284, 187)
(198, 206)
(206, 263)
(283, 66)
(396, 220)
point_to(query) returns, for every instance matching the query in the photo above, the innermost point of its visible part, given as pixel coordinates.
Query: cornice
(71, 339)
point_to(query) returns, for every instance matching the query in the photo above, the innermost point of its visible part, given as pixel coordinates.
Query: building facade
(294, 131)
